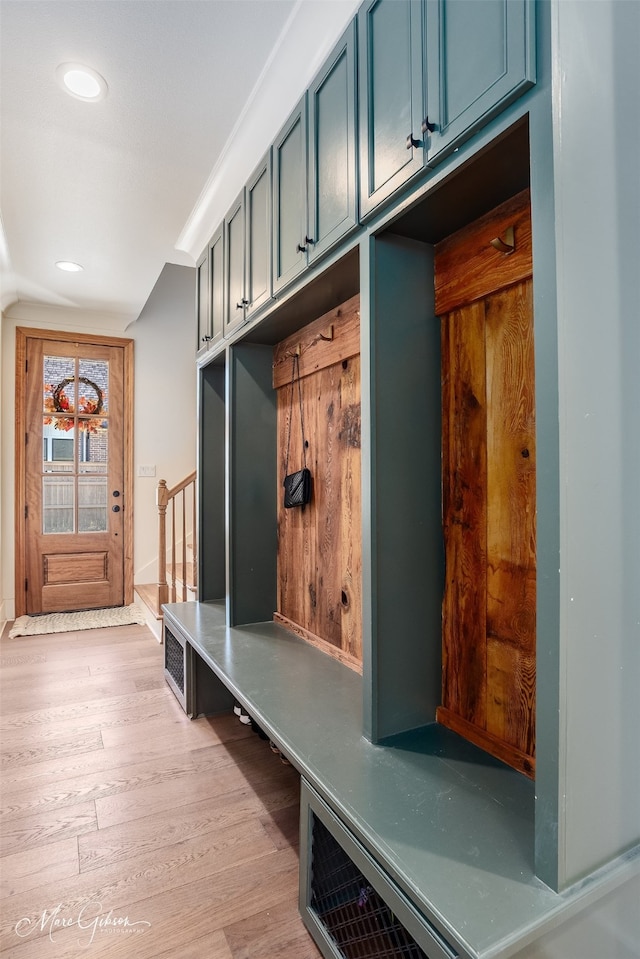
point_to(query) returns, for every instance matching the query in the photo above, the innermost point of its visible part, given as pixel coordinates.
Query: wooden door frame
(22, 335)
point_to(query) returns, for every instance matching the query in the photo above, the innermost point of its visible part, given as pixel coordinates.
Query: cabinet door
(391, 38)
(203, 315)
(258, 236)
(290, 198)
(216, 283)
(234, 233)
(480, 56)
(332, 150)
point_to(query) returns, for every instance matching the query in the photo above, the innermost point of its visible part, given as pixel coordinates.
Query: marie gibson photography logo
(90, 919)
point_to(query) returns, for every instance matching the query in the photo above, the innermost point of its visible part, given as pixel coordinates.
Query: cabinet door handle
(427, 126)
(308, 239)
(205, 338)
(241, 305)
(412, 142)
(300, 248)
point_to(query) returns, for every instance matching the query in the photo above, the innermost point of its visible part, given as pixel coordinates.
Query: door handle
(116, 492)
(115, 509)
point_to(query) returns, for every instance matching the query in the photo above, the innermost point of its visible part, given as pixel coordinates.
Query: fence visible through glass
(75, 429)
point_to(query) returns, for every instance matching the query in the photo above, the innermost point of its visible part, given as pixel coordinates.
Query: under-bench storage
(348, 903)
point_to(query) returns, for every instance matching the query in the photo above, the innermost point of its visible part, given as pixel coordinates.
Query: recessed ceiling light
(68, 266)
(81, 82)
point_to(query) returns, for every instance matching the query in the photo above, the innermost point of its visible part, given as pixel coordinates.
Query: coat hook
(327, 334)
(505, 244)
(295, 351)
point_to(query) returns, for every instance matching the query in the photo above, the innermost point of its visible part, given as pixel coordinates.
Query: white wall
(165, 403)
(597, 196)
(164, 413)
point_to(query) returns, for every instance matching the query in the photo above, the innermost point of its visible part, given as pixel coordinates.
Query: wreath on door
(58, 402)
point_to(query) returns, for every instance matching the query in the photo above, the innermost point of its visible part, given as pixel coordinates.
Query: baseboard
(154, 624)
(7, 612)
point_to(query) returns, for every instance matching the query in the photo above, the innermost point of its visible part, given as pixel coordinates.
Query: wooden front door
(484, 296)
(73, 527)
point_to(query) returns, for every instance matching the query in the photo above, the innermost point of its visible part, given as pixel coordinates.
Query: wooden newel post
(162, 498)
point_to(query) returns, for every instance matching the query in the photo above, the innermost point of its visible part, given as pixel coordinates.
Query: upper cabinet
(392, 97)
(332, 190)
(216, 283)
(314, 167)
(247, 249)
(406, 83)
(203, 315)
(431, 73)
(480, 57)
(258, 237)
(290, 238)
(210, 293)
(234, 239)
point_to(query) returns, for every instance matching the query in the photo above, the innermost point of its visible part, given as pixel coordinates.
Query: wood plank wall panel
(320, 546)
(511, 530)
(464, 424)
(469, 268)
(489, 494)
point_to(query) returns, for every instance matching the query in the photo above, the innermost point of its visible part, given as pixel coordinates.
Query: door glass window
(58, 504)
(92, 504)
(93, 445)
(75, 443)
(58, 445)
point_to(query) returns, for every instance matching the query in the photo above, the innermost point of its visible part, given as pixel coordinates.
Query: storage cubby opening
(324, 291)
(355, 916)
(252, 436)
(212, 584)
(316, 376)
(494, 174)
(493, 707)
(174, 659)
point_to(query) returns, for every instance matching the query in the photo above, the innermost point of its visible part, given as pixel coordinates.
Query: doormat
(86, 619)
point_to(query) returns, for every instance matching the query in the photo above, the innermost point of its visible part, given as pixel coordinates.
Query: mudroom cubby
(316, 375)
(490, 860)
(212, 581)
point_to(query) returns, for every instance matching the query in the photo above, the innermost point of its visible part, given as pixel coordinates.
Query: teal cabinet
(247, 249)
(216, 284)
(210, 294)
(257, 290)
(234, 242)
(203, 314)
(392, 97)
(332, 205)
(290, 238)
(480, 57)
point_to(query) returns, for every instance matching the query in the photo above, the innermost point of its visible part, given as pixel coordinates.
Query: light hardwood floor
(128, 830)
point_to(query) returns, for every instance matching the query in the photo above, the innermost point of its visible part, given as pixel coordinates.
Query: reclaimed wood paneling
(464, 465)
(319, 547)
(469, 267)
(488, 482)
(511, 529)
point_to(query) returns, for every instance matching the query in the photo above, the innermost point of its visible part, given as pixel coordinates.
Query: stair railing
(182, 499)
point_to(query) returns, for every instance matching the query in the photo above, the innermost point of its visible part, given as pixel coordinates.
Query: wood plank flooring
(128, 829)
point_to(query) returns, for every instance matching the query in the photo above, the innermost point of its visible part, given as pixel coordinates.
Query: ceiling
(196, 91)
